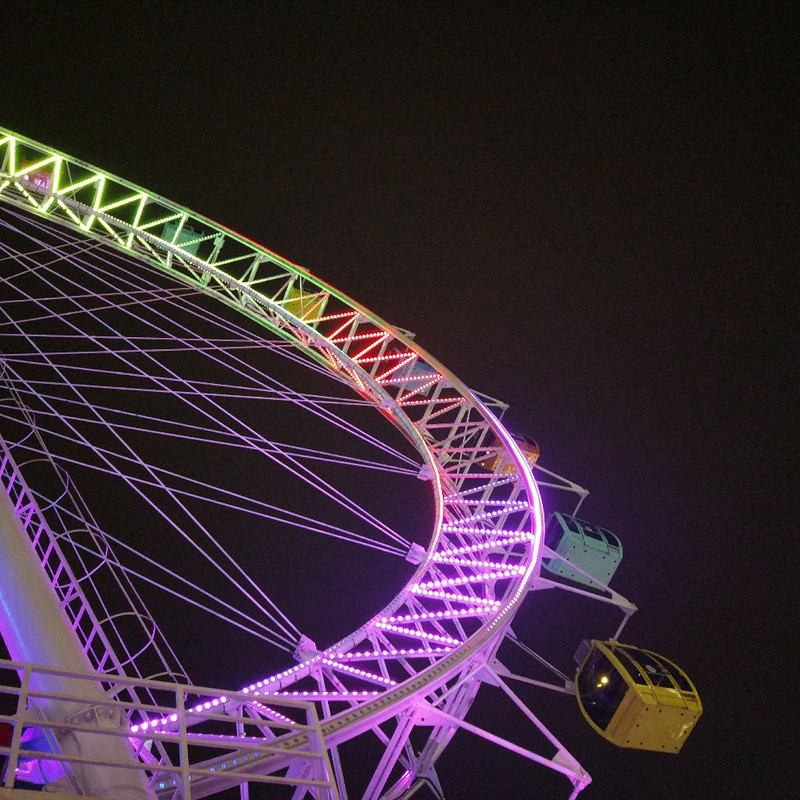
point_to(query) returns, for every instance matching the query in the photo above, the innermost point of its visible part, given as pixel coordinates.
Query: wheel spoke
(71, 355)
(159, 333)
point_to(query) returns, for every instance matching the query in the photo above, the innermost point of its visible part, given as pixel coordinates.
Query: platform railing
(195, 741)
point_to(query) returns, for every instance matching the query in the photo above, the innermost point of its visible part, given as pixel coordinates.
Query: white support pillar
(36, 630)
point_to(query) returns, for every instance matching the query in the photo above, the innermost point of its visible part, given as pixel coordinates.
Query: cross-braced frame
(408, 676)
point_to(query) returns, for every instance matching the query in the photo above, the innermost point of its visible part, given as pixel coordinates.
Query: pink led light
(416, 634)
(351, 374)
(207, 705)
(384, 357)
(460, 528)
(285, 674)
(488, 532)
(452, 401)
(464, 499)
(509, 572)
(468, 562)
(361, 673)
(339, 315)
(453, 597)
(460, 524)
(273, 713)
(457, 469)
(327, 694)
(393, 653)
(450, 614)
(384, 377)
(360, 356)
(378, 336)
(405, 402)
(489, 543)
(350, 319)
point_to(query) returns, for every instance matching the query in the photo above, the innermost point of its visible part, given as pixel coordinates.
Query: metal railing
(195, 739)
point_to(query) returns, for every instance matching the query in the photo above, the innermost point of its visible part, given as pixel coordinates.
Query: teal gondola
(592, 549)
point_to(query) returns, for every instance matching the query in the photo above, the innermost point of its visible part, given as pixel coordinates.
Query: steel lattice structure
(415, 666)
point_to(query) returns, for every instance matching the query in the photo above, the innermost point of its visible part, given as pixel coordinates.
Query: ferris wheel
(242, 426)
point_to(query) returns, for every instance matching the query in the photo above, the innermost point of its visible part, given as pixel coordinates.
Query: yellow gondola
(635, 698)
(528, 446)
(309, 306)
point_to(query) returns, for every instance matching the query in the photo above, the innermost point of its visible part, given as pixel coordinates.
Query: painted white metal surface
(424, 653)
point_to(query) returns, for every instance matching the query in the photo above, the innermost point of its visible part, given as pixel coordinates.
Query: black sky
(586, 210)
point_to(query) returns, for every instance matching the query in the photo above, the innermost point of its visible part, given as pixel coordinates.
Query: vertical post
(35, 629)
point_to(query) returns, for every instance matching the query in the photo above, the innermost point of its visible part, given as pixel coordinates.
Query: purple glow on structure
(361, 673)
(447, 558)
(366, 363)
(434, 594)
(271, 712)
(447, 614)
(394, 653)
(285, 674)
(417, 634)
(504, 572)
(326, 694)
(488, 544)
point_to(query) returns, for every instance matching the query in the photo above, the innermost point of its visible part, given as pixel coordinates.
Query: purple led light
(455, 598)
(327, 694)
(417, 634)
(488, 544)
(360, 673)
(449, 614)
(505, 572)
(467, 562)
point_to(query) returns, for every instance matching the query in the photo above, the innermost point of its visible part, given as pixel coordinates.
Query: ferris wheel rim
(65, 204)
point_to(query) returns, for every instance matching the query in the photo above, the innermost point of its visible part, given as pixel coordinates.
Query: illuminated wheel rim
(422, 651)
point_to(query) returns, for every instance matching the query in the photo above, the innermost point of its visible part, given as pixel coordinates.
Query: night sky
(588, 211)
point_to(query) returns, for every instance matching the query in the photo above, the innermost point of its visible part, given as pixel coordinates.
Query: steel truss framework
(416, 666)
